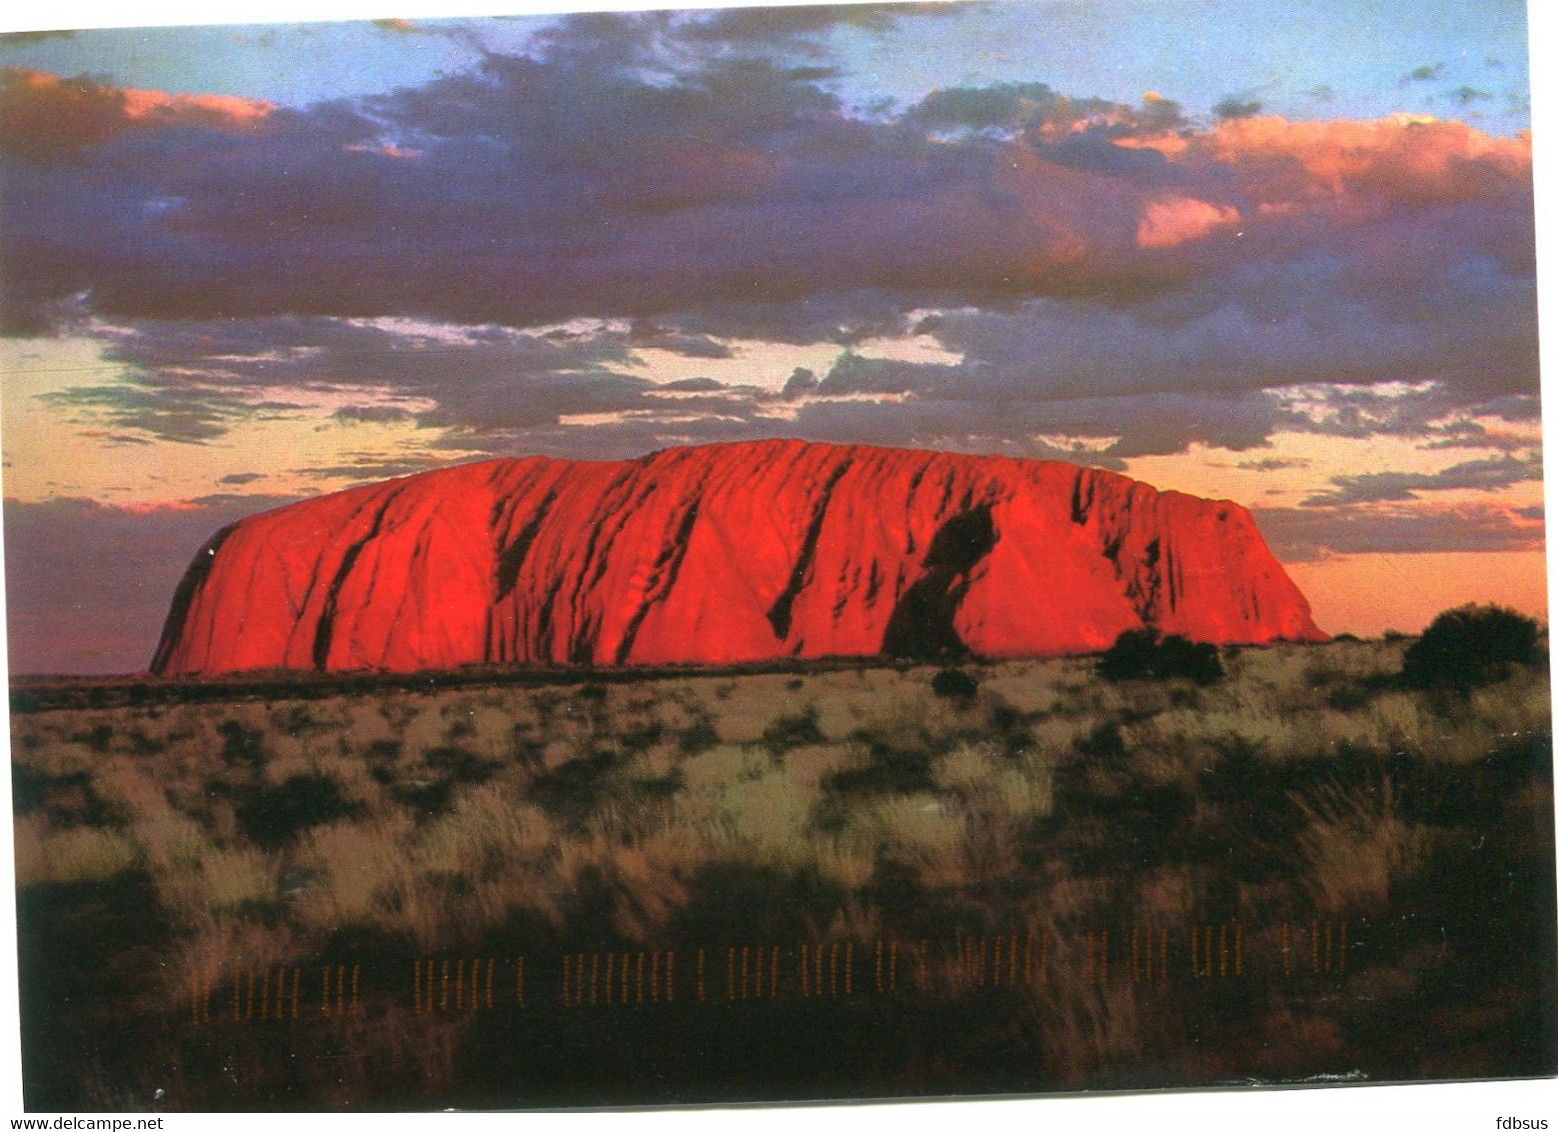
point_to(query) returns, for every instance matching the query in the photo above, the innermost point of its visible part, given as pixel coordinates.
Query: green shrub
(1470, 645)
(1140, 654)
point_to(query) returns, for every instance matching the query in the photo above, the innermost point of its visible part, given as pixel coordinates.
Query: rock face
(725, 553)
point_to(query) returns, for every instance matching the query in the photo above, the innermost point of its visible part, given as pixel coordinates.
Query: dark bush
(98, 738)
(641, 737)
(271, 816)
(1140, 654)
(699, 736)
(1104, 744)
(1194, 660)
(1473, 644)
(890, 771)
(459, 765)
(573, 790)
(793, 731)
(241, 744)
(1131, 656)
(954, 684)
(383, 750)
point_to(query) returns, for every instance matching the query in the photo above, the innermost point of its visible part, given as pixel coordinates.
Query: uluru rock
(725, 553)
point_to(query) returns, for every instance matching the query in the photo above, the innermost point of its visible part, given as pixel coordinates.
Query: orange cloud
(1401, 158)
(1264, 171)
(44, 116)
(1172, 221)
(221, 111)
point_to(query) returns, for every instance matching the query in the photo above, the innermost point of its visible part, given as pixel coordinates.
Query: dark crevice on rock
(922, 622)
(779, 613)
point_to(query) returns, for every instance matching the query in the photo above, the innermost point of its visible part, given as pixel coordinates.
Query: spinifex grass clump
(844, 823)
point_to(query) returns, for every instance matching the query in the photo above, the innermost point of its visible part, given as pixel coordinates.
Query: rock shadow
(922, 623)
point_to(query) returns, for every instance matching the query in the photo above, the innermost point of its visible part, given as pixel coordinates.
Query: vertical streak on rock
(1081, 496)
(546, 616)
(510, 561)
(779, 612)
(324, 632)
(512, 558)
(664, 573)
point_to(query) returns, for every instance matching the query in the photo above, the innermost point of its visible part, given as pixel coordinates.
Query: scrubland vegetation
(170, 850)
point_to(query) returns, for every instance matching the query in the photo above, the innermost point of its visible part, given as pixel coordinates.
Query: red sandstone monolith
(721, 554)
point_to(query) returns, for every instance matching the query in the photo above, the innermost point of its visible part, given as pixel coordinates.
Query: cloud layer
(637, 167)
(505, 259)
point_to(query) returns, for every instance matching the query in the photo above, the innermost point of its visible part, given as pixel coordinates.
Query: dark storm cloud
(567, 182)
(844, 318)
(182, 415)
(852, 375)
(644, 333)
(694, 385)
(1008, 109)
(488, 386)
(1006, 106)
(1439, 415)
(955, 426)
(801, 27)
(192, 382)
(1302, 534)
(1472, 434)
(1272, 464)
(1297, 324)
(695, 175)
(1475, 475)
(370, 468)
(1233, 107)
(801, 381)
(1030, 370)
(532, 402)
(372, 414)
(47, 118)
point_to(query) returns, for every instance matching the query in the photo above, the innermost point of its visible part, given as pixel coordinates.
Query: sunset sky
(1274, 251)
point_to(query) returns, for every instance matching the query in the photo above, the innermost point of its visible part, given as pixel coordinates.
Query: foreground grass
(168, 851)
